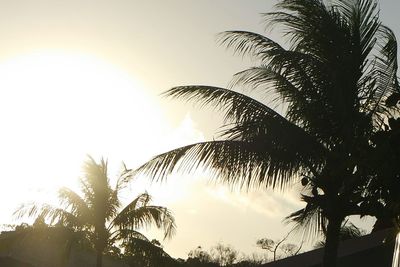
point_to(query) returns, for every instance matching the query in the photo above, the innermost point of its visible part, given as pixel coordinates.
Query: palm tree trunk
(101, 240)
(332, 242)
(99, 258)
(66, 254)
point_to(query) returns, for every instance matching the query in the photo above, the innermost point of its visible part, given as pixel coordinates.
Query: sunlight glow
(57, 107)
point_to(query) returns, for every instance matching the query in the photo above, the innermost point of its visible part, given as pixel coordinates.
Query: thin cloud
(269, 203)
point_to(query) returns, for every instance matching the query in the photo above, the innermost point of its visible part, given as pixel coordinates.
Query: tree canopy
(98, 211)
(335, 75)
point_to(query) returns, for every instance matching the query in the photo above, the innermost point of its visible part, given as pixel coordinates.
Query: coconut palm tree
(333, 77)
(97, 211)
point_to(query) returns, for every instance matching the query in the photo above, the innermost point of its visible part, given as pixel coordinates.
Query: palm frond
(246, 164)
(284, 141)
(386, 68)
(95, 175)
(124, 178)
(294, 88)
(306, 22)
(140, 201)
(363, 19)
(246, 158)
(139, 214)
(71, 200)
(113, 205)
(98, 194)
(125, 234)
(309, 221)
(250, 43)
(236, 106)
(53, 214)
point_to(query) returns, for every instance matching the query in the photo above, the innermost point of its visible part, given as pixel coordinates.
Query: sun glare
(55, 108)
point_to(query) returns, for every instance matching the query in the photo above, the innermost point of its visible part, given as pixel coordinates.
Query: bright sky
(84, 77)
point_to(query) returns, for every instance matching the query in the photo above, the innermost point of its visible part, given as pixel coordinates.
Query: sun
(57, 107)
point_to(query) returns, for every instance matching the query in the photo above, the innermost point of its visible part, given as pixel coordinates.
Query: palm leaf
(236, 106)
(249, 43)
(53, 214)
(138, 214)
(124, 178)
(72, 200)
(246, 164)
(126, 235)
(147, 215)
(308, 221)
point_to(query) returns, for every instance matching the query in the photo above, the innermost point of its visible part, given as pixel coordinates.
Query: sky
(84, 77)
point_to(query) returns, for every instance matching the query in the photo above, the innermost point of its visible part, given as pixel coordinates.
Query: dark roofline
(346, 248)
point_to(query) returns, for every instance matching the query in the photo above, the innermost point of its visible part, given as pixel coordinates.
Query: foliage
(219, 255)
(288, 249)
(224, 255)
(383, 195)
(336, 77)
(140, 253)
(195, 262)
(347, 231)
(199, 255)
(98, 212)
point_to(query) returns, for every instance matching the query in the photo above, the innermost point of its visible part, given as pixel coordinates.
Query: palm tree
(333, 78)
(98, 213)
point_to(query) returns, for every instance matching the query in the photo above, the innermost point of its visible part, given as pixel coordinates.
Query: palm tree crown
(98, 210)
(334, 77)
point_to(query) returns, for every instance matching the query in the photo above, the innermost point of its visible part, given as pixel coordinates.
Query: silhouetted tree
(224, 255)
(333, 77)
(219, 255)
(199, 255)
(274, 245)
(382, 197)
(254, 259)
(98, 213)
(141, 253)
